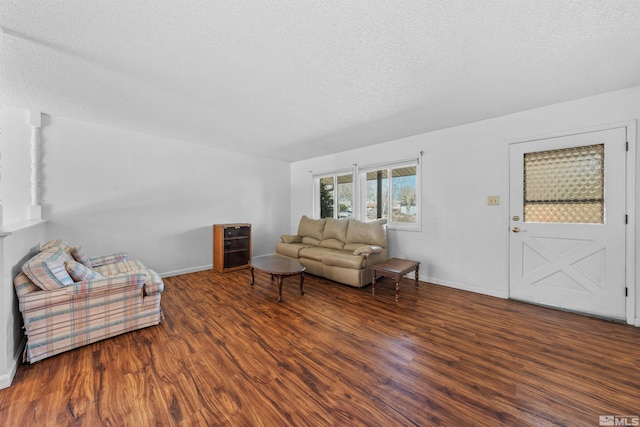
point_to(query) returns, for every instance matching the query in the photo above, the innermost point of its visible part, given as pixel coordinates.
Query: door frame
(630, 200)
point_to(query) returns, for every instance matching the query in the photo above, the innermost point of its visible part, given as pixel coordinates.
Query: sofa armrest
(153, 283)
(367, 250)
(98, 261)
(108, 284)
(291, 238)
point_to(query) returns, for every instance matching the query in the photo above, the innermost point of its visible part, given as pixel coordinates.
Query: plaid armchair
(68, 299)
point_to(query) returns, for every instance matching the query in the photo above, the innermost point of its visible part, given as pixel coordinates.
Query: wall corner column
(1, 217)
(35, 122)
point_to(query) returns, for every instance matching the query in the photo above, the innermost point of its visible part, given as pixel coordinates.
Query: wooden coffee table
(394, 268)
(279, 267)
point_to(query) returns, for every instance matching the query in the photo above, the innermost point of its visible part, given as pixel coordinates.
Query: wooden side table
(394, 268)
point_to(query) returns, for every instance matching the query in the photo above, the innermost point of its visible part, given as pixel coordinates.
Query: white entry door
(567, 207)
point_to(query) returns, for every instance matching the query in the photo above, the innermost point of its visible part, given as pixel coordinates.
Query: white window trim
(359, 191)
(362, 183)
(316, 190)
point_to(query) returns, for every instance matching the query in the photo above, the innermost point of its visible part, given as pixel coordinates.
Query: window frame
(389, 166)
(317, 208)
(359, 196)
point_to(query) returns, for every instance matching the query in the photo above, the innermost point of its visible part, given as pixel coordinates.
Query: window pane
(345, 196)
(565, 185)
(377, 194)
(403, 194)
(584, 213)
(326, 197)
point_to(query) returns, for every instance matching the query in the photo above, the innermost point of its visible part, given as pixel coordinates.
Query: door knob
(515, 229)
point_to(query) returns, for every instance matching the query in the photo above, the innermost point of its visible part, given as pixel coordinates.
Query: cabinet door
(237, 231)
(231, 246)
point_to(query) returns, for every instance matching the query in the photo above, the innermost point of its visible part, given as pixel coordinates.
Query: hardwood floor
(230, 354)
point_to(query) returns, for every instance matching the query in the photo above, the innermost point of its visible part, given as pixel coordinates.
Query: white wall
(15, 164)
(464, 242)
(110, 190)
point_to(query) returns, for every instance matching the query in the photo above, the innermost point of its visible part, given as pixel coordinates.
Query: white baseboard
(186, 271)
(434, 280)
(637, 322)
(466, 287)
(7, 379)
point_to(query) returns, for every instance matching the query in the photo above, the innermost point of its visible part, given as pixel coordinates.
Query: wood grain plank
(228, 353)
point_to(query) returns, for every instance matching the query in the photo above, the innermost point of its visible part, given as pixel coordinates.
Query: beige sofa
(341, 250)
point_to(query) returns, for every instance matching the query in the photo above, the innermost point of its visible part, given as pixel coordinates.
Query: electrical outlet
(493, 200)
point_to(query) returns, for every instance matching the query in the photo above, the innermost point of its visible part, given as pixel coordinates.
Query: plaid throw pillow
(46, 270)
(79, 255)
(79, 272)
(56, 244)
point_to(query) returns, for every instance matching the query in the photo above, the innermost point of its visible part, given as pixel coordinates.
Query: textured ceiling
(297, 79)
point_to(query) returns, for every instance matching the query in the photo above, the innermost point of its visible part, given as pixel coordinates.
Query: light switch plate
(493, 200)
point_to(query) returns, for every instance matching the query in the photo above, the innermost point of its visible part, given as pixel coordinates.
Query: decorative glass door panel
(567, 222)
(565, 185)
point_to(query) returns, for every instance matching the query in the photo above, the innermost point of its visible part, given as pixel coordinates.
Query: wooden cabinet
(231, 247)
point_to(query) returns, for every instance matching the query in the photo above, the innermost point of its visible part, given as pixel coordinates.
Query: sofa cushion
(372, 232)
(335, 229)
(316, 252)
(80, 272)
(334, 233)
(80, 255)
(310, 241)
(46, 270)
(332, 244)
(343, 260)
(311, 228)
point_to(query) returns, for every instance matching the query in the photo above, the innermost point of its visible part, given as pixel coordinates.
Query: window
(392, 192)
(377, 194)
(335, 196)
